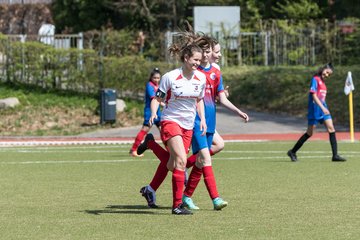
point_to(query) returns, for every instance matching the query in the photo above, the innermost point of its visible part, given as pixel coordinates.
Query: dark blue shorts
(156, 122)
(199, 142)
(312, 122)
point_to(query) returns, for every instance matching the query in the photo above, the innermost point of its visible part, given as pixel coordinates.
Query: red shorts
(171, 129)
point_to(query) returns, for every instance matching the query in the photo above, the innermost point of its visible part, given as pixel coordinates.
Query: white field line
(5, 144)
(67, 148)
(62, 142)
(85, 142)
(116, 149)
(146, 160)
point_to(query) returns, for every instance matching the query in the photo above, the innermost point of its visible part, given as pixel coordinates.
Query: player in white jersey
(183, 90)
(181, 95)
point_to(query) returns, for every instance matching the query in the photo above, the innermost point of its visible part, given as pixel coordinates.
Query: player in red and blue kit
(201, 145)
(318, 112)
(151, 88)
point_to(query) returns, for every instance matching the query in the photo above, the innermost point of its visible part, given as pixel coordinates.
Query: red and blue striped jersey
(214, 85)
(318, 87)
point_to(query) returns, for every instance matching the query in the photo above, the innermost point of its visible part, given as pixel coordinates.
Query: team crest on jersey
(212, 76)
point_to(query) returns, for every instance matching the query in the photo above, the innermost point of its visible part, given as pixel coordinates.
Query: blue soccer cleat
(219, 203)
(188, 203)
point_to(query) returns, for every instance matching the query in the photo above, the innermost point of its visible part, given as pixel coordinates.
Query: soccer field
(92, 192)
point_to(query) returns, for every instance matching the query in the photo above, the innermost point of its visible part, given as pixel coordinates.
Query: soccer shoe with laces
(337, 158)
(292, 156)
(188, 203)
(219, 203)
(143, 146)
(149, 196)
(180, 210)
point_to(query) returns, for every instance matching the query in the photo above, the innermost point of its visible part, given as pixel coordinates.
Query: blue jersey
(150, 92)
(214, 85)
(317, 87)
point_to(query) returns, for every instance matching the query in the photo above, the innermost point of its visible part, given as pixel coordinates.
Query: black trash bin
(107, 105)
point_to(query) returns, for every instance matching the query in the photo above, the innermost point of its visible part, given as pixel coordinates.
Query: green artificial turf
(92, 192)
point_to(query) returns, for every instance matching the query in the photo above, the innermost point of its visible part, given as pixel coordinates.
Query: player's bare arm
(226, 103)
(201, 112)
(318, 102)
(154, 105)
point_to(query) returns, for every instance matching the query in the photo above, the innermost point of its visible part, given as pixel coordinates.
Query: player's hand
(152, 118)
(245, 117)
(326, 111)
(226, 91)
(203, 127)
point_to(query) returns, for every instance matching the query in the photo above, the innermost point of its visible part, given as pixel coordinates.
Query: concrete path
(228, 124)
(261, 127)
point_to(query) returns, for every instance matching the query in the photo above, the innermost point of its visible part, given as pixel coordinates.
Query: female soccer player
(151, 87)
(200, 143)
(318, 112)
(183, 89)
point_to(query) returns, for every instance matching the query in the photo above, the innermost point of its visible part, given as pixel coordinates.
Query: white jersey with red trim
(181, 96)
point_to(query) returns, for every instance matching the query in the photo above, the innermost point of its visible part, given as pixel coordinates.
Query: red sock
(139, 137)
(178, 178)
(194, 179)
(211, 152)
(210, 182)
(159, 177)
(161, 153)
(191, 161)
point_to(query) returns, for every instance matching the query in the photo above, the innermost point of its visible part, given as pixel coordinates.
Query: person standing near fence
(318, 112)
(150, 90)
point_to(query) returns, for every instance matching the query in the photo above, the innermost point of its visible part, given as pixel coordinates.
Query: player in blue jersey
(151, 87)
(318, 112)
(202, 144)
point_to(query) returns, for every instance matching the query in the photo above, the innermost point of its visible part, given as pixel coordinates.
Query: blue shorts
(156, 122)
(147, 115)
(312, 122)
(199, 142)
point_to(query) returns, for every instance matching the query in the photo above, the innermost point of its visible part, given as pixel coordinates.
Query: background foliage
(284, 90)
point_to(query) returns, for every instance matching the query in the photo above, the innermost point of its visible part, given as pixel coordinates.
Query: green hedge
(83, 71)
(285, 90)
(271, 89)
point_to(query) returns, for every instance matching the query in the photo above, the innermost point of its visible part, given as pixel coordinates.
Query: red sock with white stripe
(139, 137)
(178, 178)
(209, 179)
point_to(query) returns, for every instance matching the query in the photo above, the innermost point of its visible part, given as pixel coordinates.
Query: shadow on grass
(127, 209)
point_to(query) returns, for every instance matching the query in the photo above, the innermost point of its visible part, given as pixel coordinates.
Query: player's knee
(331, 129)
(203, 161)
(180, 163)
(217, 147)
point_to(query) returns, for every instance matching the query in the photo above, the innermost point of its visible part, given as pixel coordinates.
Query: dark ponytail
(153, 72)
